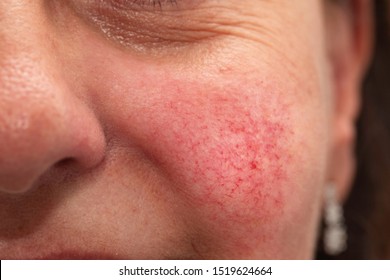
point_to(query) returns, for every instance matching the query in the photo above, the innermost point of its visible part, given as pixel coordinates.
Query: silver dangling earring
(335, 235)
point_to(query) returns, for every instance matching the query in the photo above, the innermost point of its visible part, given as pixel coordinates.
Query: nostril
(64, 162)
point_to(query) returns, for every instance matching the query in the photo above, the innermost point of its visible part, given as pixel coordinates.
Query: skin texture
(200, 130)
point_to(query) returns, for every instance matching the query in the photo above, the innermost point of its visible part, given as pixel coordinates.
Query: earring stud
(335, 235)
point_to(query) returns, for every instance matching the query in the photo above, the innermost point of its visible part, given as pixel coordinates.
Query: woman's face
(146, 130)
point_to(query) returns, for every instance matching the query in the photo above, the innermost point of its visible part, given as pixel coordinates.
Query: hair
(367, 210)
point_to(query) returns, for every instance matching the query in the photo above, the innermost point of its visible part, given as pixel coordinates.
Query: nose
(42, 122)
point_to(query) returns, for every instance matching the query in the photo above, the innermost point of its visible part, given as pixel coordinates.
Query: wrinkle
(207, 23)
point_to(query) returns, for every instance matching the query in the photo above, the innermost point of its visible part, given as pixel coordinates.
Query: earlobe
(342, 162)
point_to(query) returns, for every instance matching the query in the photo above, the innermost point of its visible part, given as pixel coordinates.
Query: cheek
(226, 151)
(237, 153)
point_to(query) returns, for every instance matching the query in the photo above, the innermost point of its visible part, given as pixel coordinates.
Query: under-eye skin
(145, 26)
(184, 28)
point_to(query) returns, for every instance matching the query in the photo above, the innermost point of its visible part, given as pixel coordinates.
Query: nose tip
(41, 124)
(29, 154)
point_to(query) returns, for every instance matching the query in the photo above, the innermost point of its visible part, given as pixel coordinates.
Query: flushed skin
(201, 130)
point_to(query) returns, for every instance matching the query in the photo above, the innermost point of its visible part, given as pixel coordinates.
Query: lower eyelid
(150, 32)
(142, 5)
(158, 6)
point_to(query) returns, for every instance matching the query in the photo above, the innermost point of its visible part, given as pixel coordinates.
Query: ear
(349, 42)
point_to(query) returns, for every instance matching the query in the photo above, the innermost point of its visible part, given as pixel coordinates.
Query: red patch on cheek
(228, 154)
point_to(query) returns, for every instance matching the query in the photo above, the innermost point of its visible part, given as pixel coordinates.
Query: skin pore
(199, 129)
